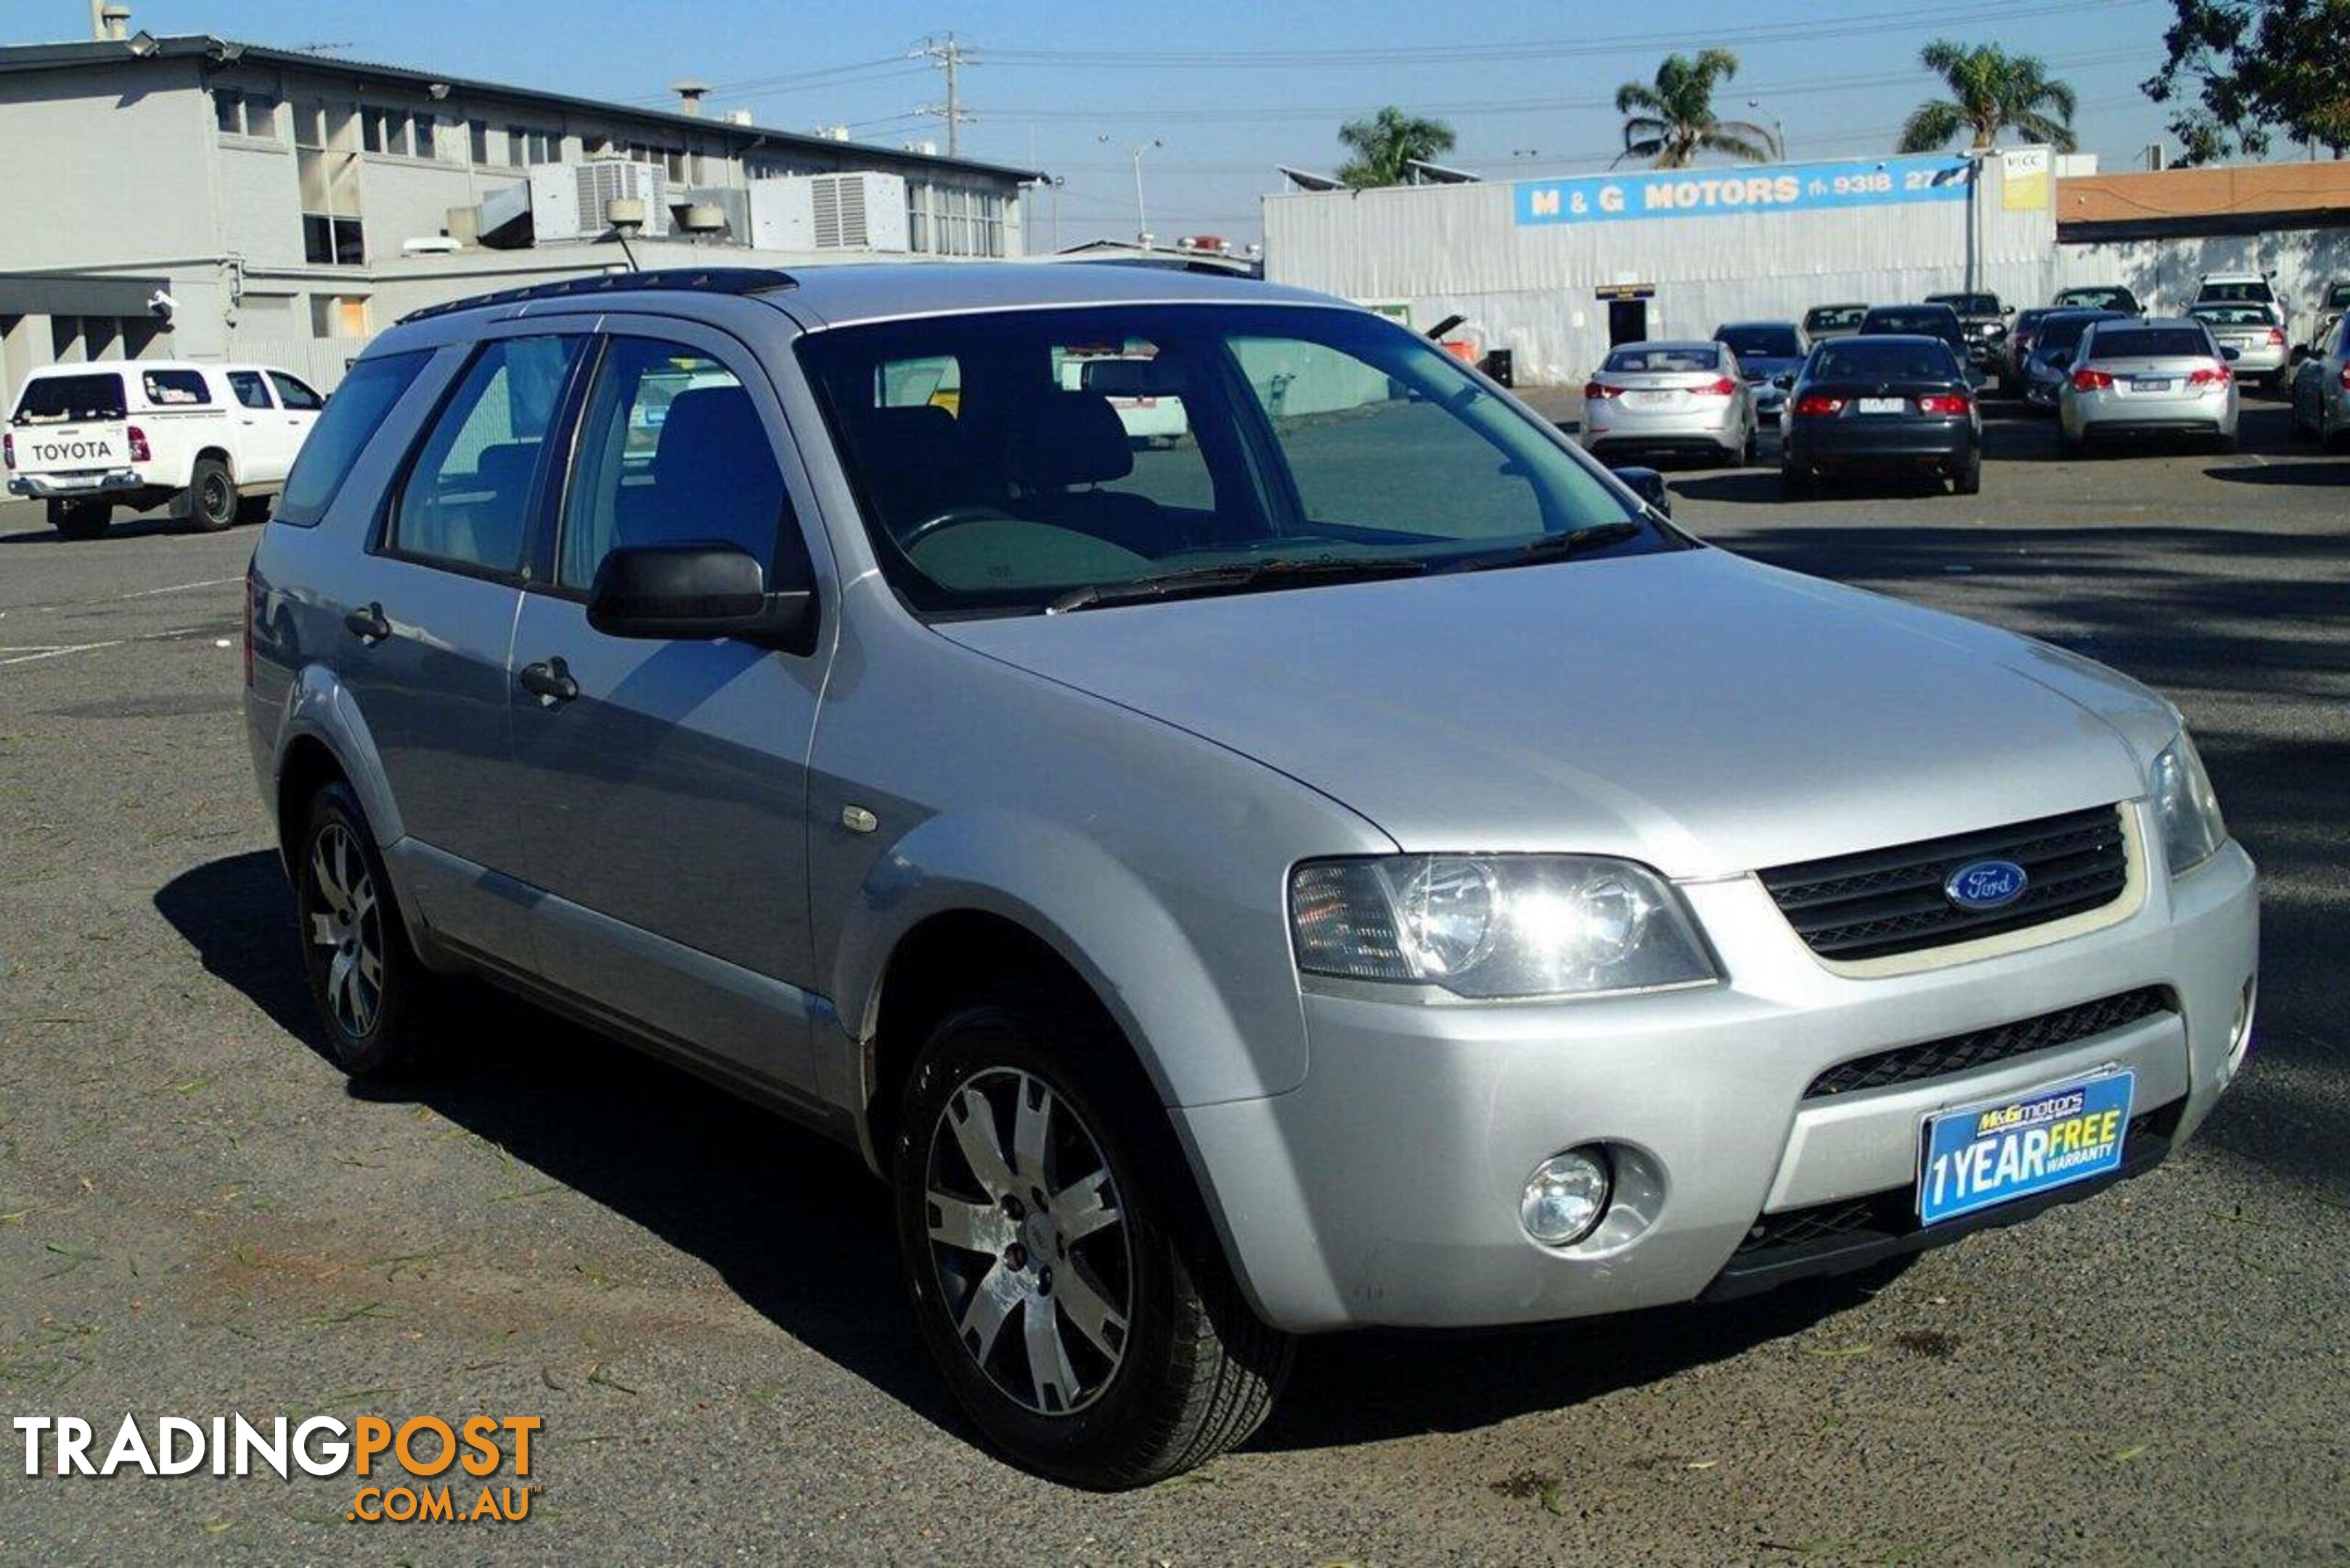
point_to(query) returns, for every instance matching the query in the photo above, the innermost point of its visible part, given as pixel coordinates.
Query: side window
(295, 395)
(671, 451)
(466, 499)
(1328, 408)
(342, 432)
(249, 389)
(174, 388)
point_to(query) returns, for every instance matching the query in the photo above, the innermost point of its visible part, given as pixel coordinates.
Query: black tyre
(375, 1000)
(2068, 447)
(213, 500)
(79, 519)
(2227, 443)
(1747, 454)
(1061, 1273)
(1968, 481)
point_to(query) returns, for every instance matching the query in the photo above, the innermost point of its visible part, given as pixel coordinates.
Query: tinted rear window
(1968, 304)
(52, 400)
(2235, 293)
(2064, 331)
(1868, 359)
(334, 444)
(2150, 343)
(1835, 316)
(1760, 342)
(1652, 359)
(1932, 323)
(2099, 298)
(2232, 315)
(2338, 296)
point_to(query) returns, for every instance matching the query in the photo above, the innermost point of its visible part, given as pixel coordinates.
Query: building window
(339, 315)
(329, 179)
(525, 146)
(241, 113)
(477, 137)
(423, 147)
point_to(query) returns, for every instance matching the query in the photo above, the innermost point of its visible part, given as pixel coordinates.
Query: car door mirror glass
(694, 592)
(1648, 485)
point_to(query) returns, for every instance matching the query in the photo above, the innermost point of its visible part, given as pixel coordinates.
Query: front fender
(1182, 1014)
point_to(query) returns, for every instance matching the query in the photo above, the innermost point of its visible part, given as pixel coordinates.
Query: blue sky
(1230, 90)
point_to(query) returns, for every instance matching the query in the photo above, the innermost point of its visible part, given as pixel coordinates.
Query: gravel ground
(197, 1215)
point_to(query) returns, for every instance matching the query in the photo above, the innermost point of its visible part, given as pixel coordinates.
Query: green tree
(1670, 120)
(1385, 146)
(1991, 91)
(2242, 72)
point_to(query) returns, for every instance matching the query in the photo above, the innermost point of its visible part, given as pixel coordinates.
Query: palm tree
(1991, 91)
(1387, 144)
(1672, 121)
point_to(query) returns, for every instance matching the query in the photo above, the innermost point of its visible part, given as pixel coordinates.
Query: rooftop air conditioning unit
(568, 200)
(856, 211)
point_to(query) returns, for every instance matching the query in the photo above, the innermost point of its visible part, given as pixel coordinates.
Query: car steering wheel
(952, 517)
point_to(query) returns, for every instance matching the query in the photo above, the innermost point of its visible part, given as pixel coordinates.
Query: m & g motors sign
(1713, 194)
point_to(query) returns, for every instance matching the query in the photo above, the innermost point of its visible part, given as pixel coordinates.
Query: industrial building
(192, 197)
(1554, 271)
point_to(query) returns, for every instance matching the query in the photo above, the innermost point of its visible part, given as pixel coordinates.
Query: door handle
(367, 625)
(549, 682)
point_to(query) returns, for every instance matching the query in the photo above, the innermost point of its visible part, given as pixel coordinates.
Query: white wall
(106, 164)
(2163, 272)
(1457, 249)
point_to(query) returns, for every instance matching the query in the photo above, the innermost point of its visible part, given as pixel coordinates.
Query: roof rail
(695, 279)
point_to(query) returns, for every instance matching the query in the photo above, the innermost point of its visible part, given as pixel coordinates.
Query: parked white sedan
(1689, 399)
(2148, 378)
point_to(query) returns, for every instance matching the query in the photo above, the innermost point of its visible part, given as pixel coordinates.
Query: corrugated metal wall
(1444, 249)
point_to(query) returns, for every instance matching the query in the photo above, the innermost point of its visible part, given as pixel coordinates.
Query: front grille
(1886, 901)
(1964, 1053)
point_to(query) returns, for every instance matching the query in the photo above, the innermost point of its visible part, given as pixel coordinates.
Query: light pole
(1778, 131)
(1141, 223)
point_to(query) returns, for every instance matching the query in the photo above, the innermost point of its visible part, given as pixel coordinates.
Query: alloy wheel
(1035, 1232)
(347, 920)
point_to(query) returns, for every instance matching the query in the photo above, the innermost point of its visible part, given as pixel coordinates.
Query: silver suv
(1246, 828)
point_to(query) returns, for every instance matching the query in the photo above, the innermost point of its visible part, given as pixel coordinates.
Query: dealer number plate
(1991, 1154)
(1883, 405)
(2150, 384)
(1650, 400)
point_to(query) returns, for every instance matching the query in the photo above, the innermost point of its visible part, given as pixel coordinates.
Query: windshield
(1095, 447)
(1935, 323)
(52, 400)
(2253, 293)
(1882, 360)
(1664, 358)
(2150, 343)
(1765, 342)
(2338, 296)
(1968, 304)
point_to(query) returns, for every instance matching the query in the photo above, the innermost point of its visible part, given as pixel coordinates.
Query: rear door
(663, 803)
(430, 624)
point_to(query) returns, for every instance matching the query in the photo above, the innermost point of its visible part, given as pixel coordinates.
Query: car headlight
(1492, 926)
(2192, 829)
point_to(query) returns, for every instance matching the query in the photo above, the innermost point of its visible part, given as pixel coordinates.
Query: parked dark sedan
(1920, 320)
(2050, 364)
(1882, 403)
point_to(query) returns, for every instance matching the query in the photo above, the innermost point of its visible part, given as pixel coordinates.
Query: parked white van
(140, 434)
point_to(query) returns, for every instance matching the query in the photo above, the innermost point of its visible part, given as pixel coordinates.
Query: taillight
(2210, 376)
(252, 613)
(2091, 382)
(1723, 388)
(1600, 391)
(139, 451)
(1944, 403)
(8, 448)
(2344, 377)
(2276, 337)
(1815, 403)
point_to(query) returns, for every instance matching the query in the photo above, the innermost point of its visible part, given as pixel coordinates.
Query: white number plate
(2149, 384)
(1883, 405)
(1650, 400)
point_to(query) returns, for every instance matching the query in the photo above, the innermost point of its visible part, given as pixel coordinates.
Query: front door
(265, 446)
(662, 786)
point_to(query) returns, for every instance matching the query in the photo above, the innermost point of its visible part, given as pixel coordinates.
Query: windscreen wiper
(1234, 574)
(1554, 546)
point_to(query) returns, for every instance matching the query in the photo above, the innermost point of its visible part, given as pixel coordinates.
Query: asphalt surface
(199, 1216)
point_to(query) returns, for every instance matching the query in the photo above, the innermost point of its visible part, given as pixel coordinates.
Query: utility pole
(949, 56)
(1142, 222)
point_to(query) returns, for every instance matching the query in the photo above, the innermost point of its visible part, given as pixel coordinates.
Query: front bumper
(1384, 1189)
(74, 486)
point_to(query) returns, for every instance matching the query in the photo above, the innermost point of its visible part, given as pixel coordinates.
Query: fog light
(2240, 1031)
(1566, 1197)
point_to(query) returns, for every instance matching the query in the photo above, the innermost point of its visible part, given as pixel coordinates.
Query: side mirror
(1648, 485)
(1785, 382)
(698, 592)
(2232, 355)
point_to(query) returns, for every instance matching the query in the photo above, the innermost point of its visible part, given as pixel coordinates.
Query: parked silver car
(2321, 387)
(1685, 399)
(2256, 333)
(2147, 379)
(1353, 865)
